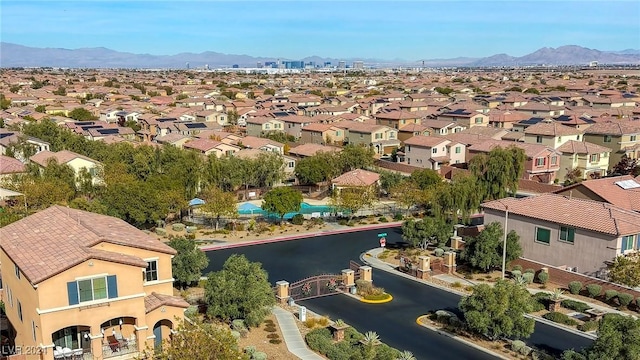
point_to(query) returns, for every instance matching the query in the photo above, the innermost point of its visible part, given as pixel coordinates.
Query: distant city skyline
(408, 30)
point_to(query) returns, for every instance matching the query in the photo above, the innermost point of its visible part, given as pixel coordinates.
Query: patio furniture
(113, 343)
(78, 354)
(57, 353)
(68, 353)
(122, 342)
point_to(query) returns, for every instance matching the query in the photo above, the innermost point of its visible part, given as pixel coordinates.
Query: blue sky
(393, 29)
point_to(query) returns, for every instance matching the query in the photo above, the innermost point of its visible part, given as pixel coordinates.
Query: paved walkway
(292, 337)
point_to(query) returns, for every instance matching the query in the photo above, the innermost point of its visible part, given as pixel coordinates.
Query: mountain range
(14, 55)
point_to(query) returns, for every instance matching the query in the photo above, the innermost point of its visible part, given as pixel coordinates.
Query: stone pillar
(365, 273)
(457, 243)
(424, 267)
(450, 261)
(282, 292)
(348, 277)
(554, 305)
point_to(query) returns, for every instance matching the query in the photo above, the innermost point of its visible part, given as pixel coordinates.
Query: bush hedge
(589, 325)
(610, 294)
(297, 219)
(543, 277)
(560, 318)
(321, 341)
(625, 299)
(594, 290)
(574, 305)
(575, 287)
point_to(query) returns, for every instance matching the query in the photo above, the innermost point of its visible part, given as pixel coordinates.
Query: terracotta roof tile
(356, 177)
(610, 192)
(155, 300)
(310, 149)
(551, 129)
(58, 238)
(584, 214)
(426, 141)
(9, 165)
(582, 147)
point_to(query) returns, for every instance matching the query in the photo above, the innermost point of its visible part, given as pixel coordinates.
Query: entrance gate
(316, 286)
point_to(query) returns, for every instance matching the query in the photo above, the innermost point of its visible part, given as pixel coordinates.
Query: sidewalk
(292, 337)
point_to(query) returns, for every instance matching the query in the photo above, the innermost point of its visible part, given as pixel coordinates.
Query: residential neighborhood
(109, 177)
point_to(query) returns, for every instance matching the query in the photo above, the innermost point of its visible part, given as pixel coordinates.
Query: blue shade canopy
(196, 201)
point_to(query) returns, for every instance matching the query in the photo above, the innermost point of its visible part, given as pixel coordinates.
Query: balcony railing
(119, 348)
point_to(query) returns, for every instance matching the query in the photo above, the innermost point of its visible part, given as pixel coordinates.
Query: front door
(157, 332)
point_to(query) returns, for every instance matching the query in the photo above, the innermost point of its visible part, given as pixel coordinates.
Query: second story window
(540, 161)
(458, 149)
(632, 138)
(19, 310)
(97, 288)
(554, 160)
(151, 272)
(434, 150)
(17, 270)
(607, 138)
(538, 139)
(478, 120)
(567, 234)
(594, 158)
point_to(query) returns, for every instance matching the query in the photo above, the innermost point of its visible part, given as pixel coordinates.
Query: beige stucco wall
(588, 252)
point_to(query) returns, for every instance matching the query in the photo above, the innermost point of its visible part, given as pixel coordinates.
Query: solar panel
(628, 184)
(108, 131)
(196, 125)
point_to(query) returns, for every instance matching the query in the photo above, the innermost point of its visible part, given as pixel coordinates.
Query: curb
(384, 301)
(460, 339)
(561, 327)
(301, 236)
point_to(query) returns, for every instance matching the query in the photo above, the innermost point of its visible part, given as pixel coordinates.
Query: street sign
(381, 235)
(383, 242)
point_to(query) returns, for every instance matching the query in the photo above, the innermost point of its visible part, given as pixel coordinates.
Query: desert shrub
(543, 277)
(439, 252)
(528, 277)
(442, 316)
(574, 305)
(259, 355)
(161, 231)
(238, 325)
(275, 341)
(310, 322)
(273, 336)
(515, 273)
(610, 294)
(342, 222)
(575, 287)
(177, 227)
(540, 301)
(638, 303)
(383, 219)
(322, 321)
(364, 287)
(625, 299)
(594, 290)
(250, 350)
(529, 271)
(398, 217)
(590, 325)
(526, 350)
(319, 340)
(297, 219)
(191, 229)
(235, 334)
(456, 284)
(517, 345)
(517, 268)
(382, 296)
(560, 318)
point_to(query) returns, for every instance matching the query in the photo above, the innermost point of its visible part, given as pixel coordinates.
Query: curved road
(395, 322)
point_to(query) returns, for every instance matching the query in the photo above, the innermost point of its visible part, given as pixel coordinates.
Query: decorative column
(348, 278)
(365, 273)
(450, 261)
(282, 292)
(424, 267)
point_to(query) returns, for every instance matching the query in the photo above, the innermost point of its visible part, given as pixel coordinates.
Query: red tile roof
(426, 141)
(356, 177)
(582, 147)
(62, 157)
(156, 300)
(310, 149)
(584, 214)
(58, 238)
(9, 165)
(551, 129)
(610, 192)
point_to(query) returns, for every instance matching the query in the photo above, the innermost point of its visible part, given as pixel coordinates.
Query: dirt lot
(258, 337)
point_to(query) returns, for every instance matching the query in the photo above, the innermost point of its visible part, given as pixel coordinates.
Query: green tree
(354, 198)
(443, 91)
(408, 194)
(618, 338)
(61, 91)
(355, 157)
(426, 178)
(218, 203)
(321, 167)
(282, 200)
(389, 180)
(485, 250)
(82, 114)
(427, 231)
(498, 311)
(241, 290)
(498, 171)
(189, 261)
(269, 91)
(458, 199)
(625, 270)
(41, 109)
(4, 102)
(59, 172)
(197, 340)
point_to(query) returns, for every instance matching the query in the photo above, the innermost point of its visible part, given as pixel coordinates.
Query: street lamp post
(504, 242)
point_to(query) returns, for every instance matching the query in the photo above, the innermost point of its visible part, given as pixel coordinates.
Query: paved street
(395, 321)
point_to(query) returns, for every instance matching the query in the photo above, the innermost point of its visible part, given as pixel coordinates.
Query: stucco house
(621, 191)
(431, 152)
(317, 133)
(565, 231)
(622, 137)
(74, 160)
(86, 282)
(260, 125)
(590, 159)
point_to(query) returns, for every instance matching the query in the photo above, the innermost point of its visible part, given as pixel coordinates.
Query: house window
(559, 138)
(632, 138)
(434, 150)
(567, 234)
(543, 235)
(604, 154)
(478, 120)
(607, 138)
(151, 272)
(554, 160)
(378, 136)
(267, 127)
(538, 139)
(458, 149)
(540, 161)
(97, 288)
(408, 147)
(627, 244)
(17, 270)
(20, 310)
(594, 158)
(291, 164)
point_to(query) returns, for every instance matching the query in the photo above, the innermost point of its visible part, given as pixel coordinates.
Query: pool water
(304, 209)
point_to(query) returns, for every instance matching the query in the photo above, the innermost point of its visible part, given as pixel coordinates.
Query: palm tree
(406, 355)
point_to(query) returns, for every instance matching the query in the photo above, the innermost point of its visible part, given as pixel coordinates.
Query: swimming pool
(305, 209)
